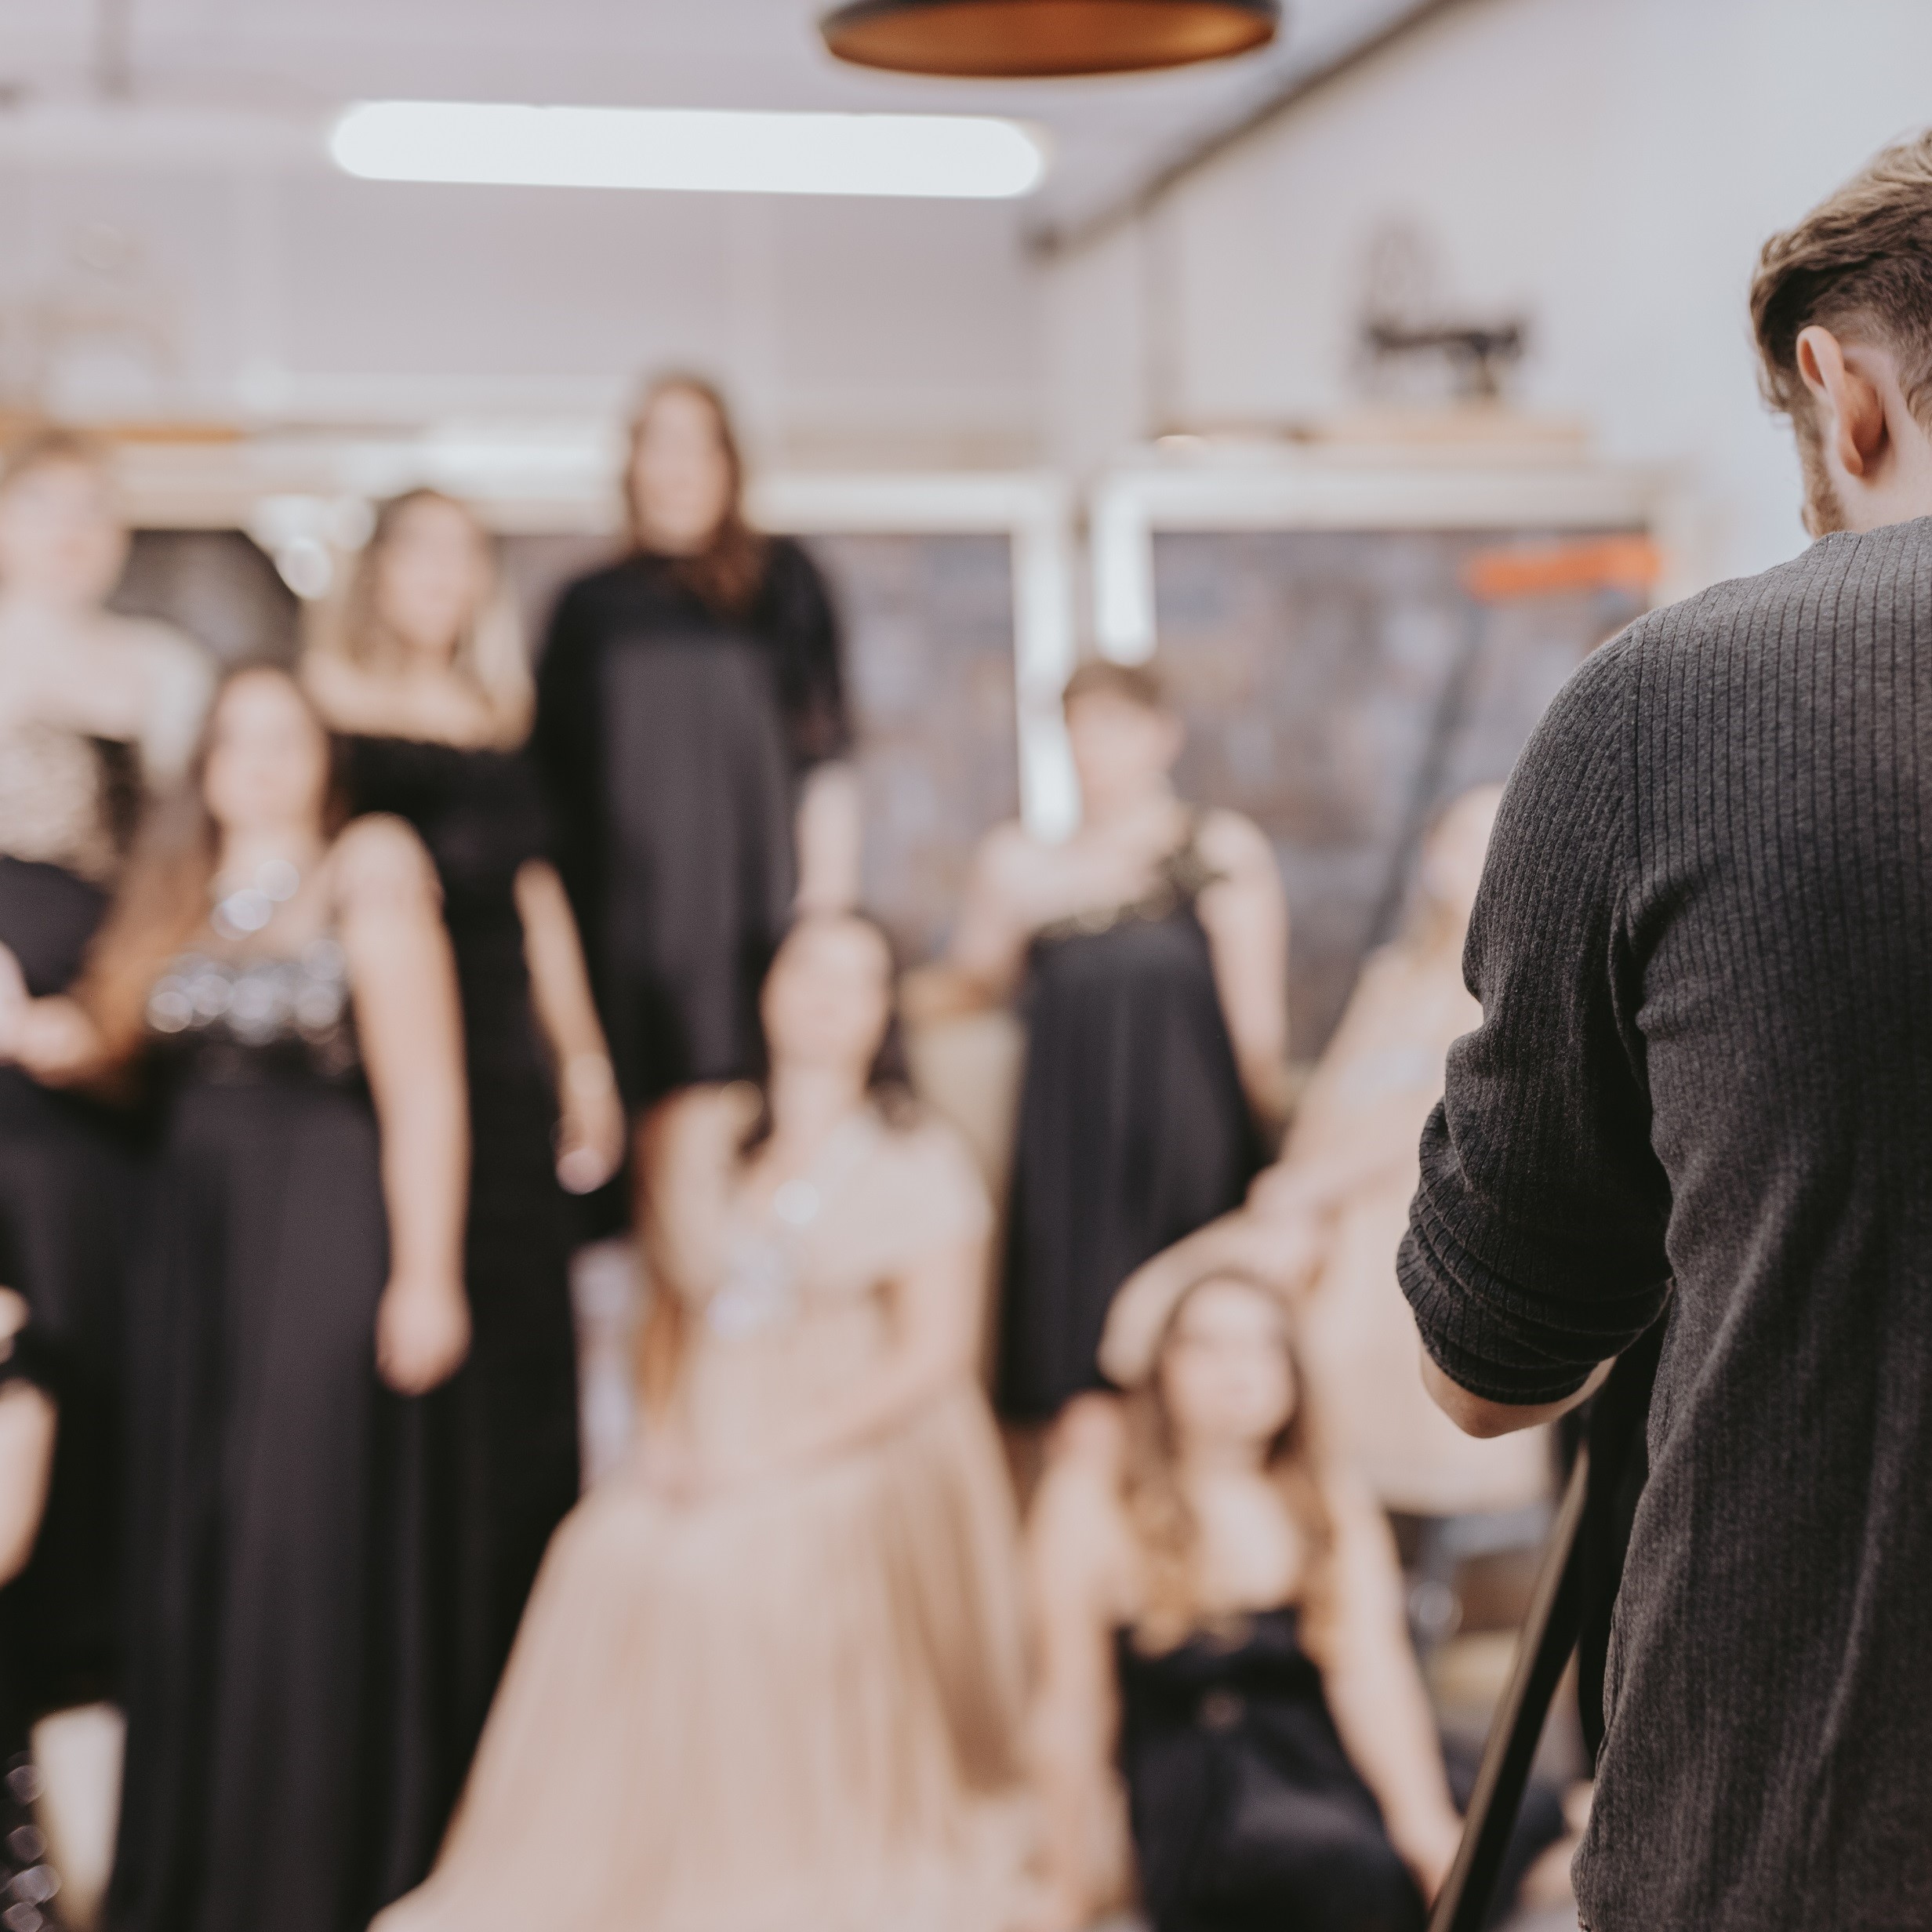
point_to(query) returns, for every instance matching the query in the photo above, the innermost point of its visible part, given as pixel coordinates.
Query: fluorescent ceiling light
(954, 156)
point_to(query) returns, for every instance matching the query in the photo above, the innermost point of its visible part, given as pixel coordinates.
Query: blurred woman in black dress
(690, 723)
(423, 664)
(1150, 954)
(289, 984)
(28, 1415)
(96, 710)
(1220, 1612)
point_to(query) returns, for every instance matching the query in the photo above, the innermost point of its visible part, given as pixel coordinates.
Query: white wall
(1608, 166)
(876, 330)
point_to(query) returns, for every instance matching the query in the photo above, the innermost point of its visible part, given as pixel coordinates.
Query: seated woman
(28, 1413)
(1328, 1216)
(770, 1674)
(1225, 1609)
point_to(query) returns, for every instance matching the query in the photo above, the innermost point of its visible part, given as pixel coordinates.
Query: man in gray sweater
(1702, 1093)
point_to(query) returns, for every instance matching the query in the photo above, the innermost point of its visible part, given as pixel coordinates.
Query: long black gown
(671, 737)
(1247, 1814)
(28, 1885)
(69, 1169)
(1134, 1129)
(281, 1750)
(503, 1433)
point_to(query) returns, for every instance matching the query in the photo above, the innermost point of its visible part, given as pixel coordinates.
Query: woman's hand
(16, 1004)
(421, 1333)
(53, 1039)
(592, 1128)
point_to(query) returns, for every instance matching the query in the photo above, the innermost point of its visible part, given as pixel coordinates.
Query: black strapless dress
(1247, 1816)
(504, 1432)
(27, 1884)
(69, 1170)
(1134, 1130)
(280, 1752)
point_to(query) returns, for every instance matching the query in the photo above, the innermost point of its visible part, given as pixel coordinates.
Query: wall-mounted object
(1034, 39)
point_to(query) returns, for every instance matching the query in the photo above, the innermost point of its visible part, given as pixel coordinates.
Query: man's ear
(1851, 410)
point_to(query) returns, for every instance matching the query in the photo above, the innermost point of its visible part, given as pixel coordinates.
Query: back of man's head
(1859, 264)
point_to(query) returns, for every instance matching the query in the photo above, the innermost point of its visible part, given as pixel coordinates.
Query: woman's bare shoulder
(710, 1121)
(380, 857)
(934, 1181)
(1234, 843)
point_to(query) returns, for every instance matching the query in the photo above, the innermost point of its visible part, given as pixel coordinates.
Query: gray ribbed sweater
(1704, 951)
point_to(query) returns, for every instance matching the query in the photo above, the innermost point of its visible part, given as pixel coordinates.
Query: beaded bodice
(235, 1014)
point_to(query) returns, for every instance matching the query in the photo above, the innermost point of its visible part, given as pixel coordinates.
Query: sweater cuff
(1500, 1340)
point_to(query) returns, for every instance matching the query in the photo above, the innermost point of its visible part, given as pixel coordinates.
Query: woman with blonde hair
(422, 663)
(692, 729)
(1221, 1607)
(283, 980)
(98, 715)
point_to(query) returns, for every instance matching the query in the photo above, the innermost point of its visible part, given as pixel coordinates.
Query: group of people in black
(325, 988)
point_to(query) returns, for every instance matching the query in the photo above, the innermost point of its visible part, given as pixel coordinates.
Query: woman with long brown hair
(1222, 1610)
(771, 1676)
(285, 980)
(691, 725)
(421, 662)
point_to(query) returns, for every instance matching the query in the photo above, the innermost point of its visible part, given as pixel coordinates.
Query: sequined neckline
(1179, 879)
(268, 1000)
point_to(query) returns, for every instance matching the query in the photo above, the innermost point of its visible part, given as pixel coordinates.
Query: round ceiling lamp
(1038, 39)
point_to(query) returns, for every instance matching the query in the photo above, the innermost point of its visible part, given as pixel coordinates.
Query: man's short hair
(1139, 684)
(1860, 264)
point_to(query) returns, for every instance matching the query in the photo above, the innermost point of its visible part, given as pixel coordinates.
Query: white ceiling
(302, 58)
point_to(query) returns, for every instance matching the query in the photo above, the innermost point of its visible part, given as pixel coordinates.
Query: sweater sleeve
(1535, 1246)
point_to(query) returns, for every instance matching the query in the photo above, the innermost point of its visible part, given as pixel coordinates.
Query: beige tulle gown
(792, 1706)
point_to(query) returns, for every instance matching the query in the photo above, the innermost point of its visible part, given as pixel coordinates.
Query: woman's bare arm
(26, 1435)
(1075, 1597)
(1374, 1690)
(180, 682)
(407, 1013)
(1284, 1252)
(687, 1157)
(831, 838)
(593, 1135)
(53, 1039)
(989, 946)
(1246, 915)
